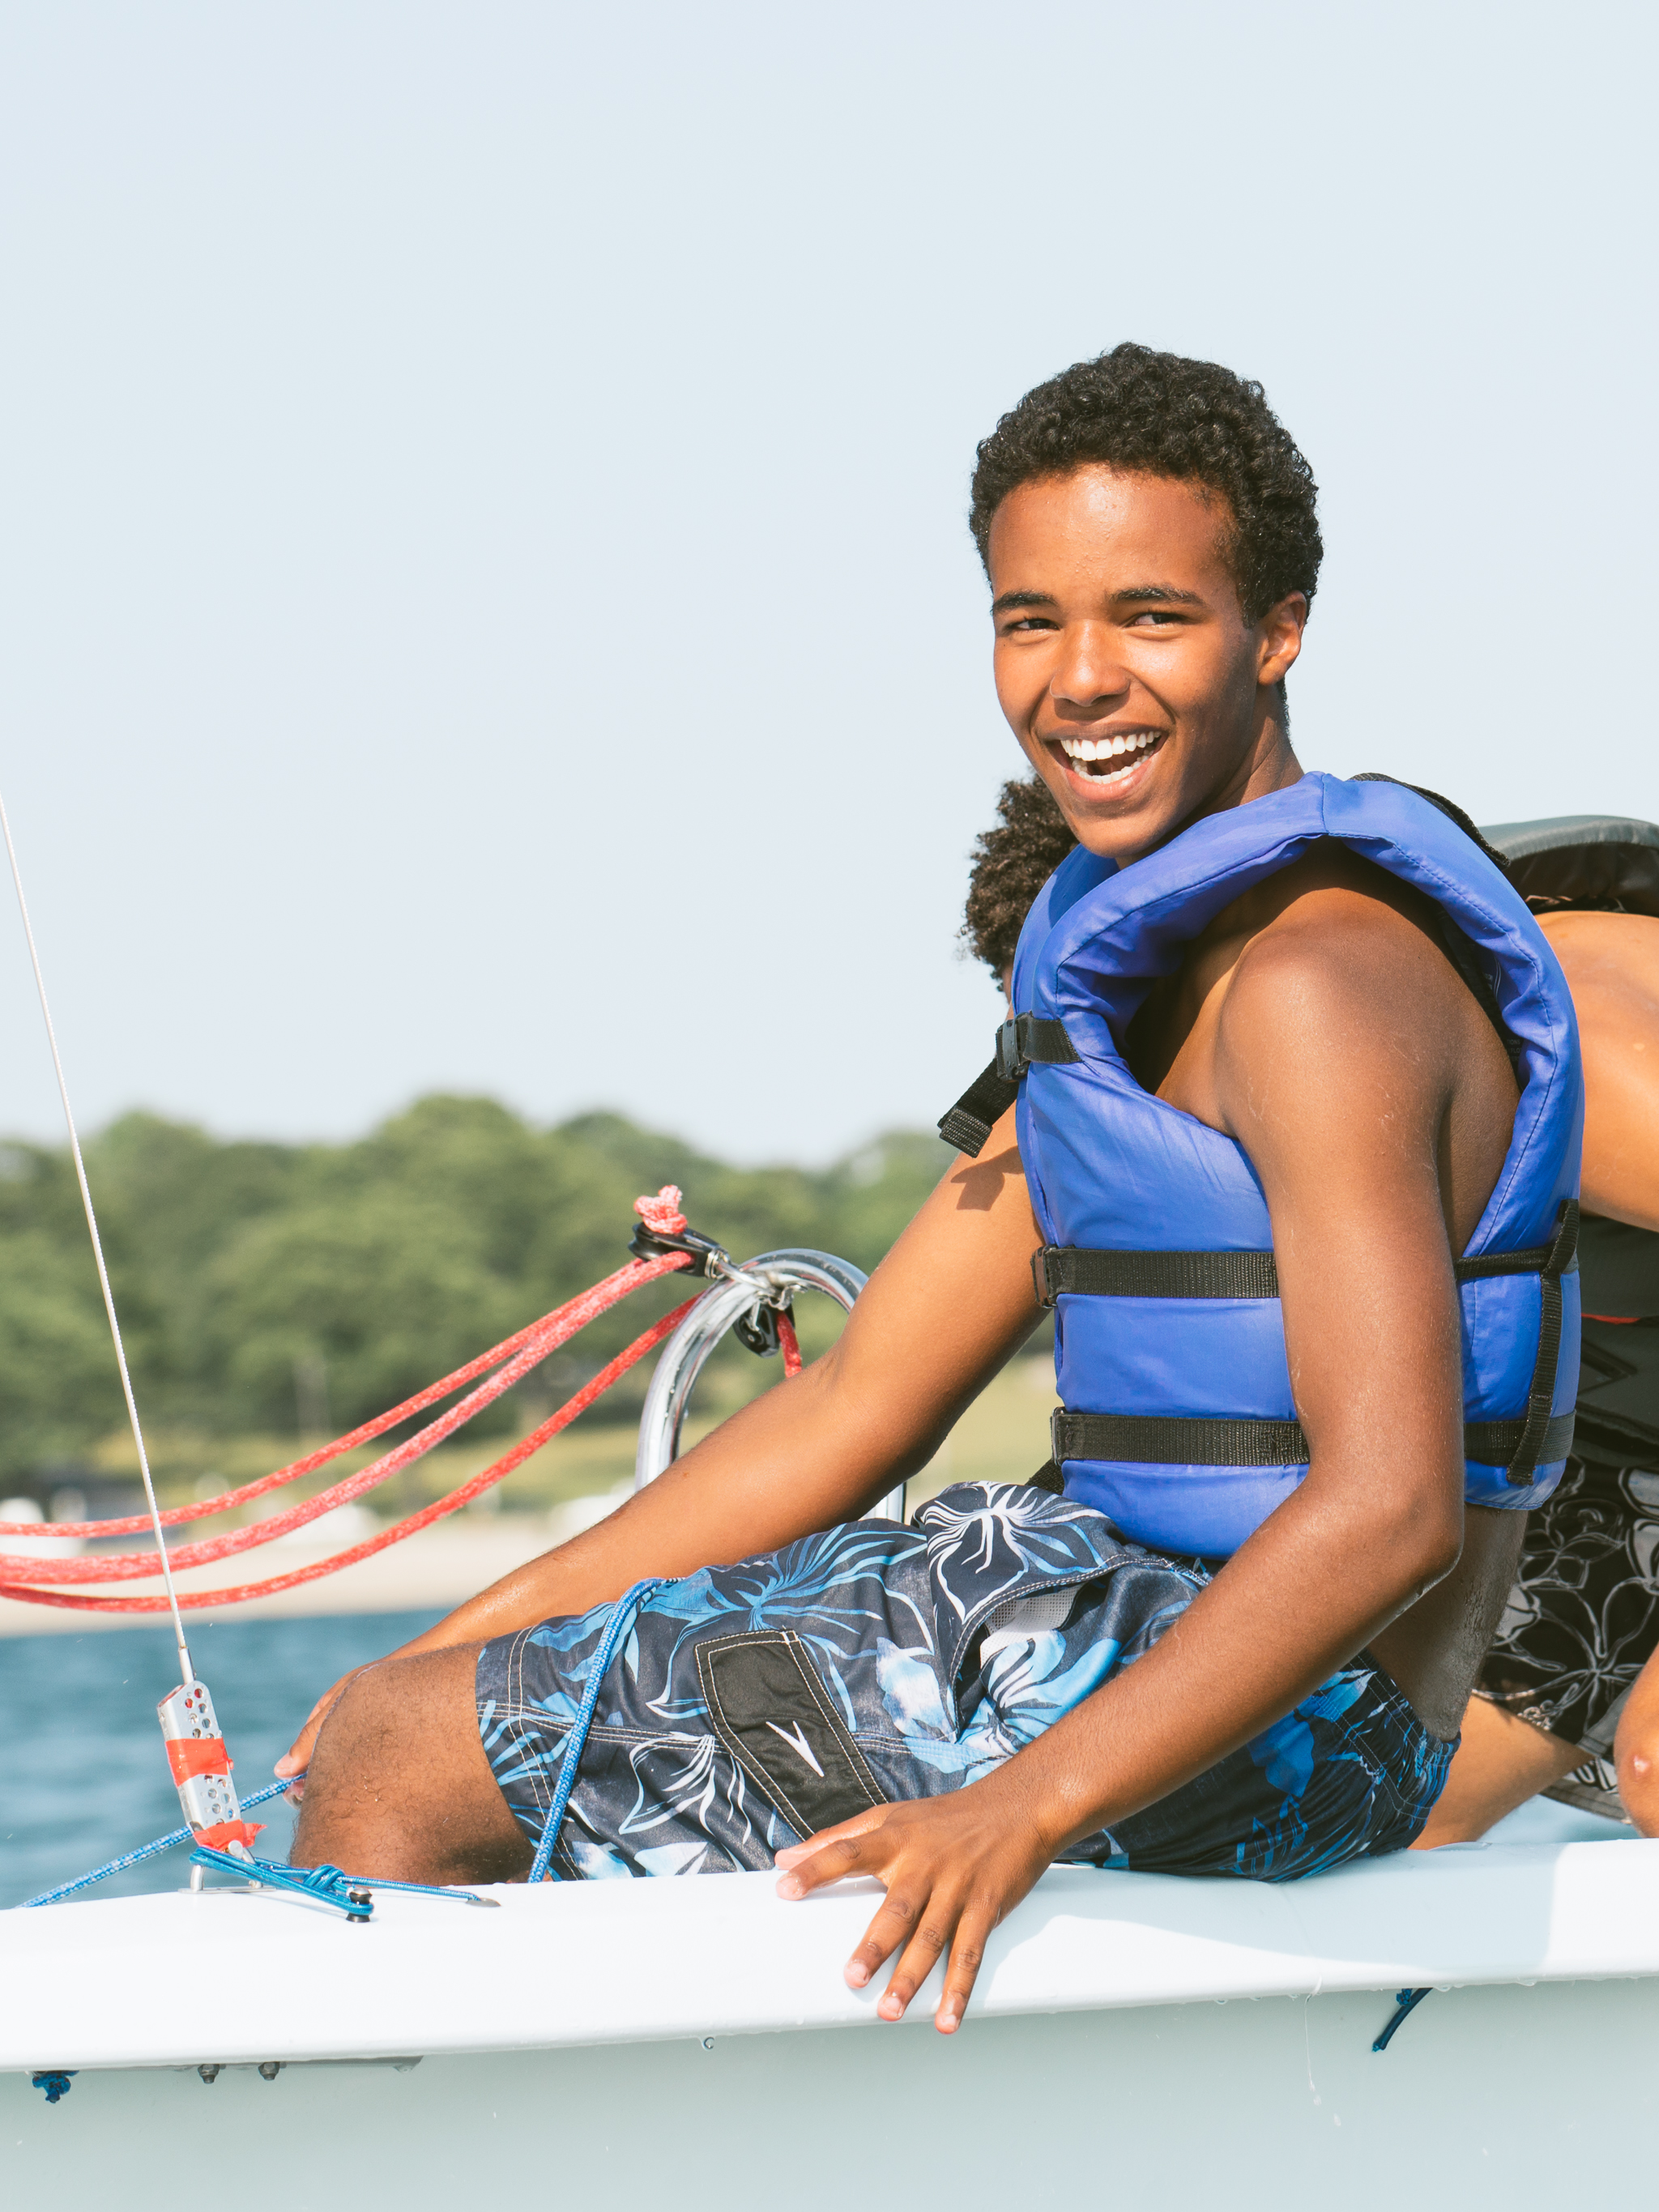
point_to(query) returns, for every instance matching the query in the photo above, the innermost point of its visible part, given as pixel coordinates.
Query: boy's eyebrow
(1010, 601)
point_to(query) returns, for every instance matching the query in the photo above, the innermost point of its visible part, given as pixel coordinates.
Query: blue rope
(622, 1621)
(147, 1850)
(327, 1885)
(330, 1883)
(1404, 2002)
(422, 1889)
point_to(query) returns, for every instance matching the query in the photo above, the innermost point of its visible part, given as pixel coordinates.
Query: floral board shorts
(1582, 1620)
(750, 1706)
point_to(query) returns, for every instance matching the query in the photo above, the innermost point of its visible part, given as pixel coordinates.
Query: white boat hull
(1208, 2042)
(1498, 2095)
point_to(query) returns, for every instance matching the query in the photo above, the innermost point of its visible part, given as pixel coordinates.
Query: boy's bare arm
(944, 1311)
(1612, 966)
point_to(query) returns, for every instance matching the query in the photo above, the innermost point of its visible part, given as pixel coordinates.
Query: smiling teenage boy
(1295, 1153)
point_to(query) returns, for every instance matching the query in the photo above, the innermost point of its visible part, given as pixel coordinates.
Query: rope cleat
(352, 1894)
(662, 1230)
(323, 1884)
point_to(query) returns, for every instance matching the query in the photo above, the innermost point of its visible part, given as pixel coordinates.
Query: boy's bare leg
(1501, 1762)
(398, 1785)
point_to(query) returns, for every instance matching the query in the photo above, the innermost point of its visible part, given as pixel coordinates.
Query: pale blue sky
(486, 597)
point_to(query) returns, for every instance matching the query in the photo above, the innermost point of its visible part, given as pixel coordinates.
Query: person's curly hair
(1164, 416)
(1011, 865)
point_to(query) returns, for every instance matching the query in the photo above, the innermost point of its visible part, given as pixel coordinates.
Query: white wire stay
(189, 1675)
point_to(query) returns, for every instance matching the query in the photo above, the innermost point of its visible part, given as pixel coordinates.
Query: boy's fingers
(297, 1757)
(893, 1924)
(861, 1825)
(967, 1957)
(830, 1856)
(933, 1927)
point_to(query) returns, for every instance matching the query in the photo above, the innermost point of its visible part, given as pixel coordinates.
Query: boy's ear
(1281, 637)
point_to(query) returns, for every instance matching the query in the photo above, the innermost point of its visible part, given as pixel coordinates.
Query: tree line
(297, 1289)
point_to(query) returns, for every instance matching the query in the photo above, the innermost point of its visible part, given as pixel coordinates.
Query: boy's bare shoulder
(1616, 953)
(1338, 951)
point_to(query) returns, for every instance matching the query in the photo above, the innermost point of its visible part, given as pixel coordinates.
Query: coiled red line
(41, 1582)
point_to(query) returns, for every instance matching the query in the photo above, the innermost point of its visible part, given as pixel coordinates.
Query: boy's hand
(297, 1757)
(952, 1867)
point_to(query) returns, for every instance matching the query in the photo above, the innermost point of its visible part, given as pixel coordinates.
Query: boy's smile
(1124, 661)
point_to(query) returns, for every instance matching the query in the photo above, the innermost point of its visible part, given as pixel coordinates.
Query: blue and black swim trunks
(750, 1706)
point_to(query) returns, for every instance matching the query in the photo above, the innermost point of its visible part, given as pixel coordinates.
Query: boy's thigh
(399, 1785)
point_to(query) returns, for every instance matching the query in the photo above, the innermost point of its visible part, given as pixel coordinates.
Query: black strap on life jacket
(1153, 1439)
(988, 1099)
(1084, 1271)
(1538, 1438)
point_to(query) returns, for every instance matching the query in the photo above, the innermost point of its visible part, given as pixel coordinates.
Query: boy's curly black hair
(1164, 416)
(1011, 865)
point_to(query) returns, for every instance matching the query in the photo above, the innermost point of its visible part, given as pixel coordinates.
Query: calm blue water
(82, 1773)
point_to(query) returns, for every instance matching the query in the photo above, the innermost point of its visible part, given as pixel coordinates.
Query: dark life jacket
(1603, 864)
(1177, 1418)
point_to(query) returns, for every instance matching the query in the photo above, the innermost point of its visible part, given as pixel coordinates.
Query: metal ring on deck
(772, 1277)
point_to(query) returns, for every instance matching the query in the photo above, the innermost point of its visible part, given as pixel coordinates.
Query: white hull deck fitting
(1207, 2042)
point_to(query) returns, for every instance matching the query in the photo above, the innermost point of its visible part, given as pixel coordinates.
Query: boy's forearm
(1310, 1590)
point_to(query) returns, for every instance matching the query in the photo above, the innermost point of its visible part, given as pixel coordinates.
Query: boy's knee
(396, 1733)
(400, 1785)
(374, 1707)
(408, 1698)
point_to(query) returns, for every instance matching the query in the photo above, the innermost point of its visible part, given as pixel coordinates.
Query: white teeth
(1133, 743)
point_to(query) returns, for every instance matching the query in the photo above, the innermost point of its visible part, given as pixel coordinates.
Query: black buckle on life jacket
(1028, 1038)
(988, 1099)
(1539, 1430)
(657, 1244)
(1008, 1057)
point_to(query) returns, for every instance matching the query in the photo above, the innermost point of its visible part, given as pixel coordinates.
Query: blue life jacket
(1178, 1420)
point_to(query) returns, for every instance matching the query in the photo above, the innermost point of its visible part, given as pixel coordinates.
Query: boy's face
(1124, 663)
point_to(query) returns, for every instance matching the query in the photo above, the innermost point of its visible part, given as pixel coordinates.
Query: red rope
(468, 1491)
(792, 1362)
(517, 1354)
(129, 1566)
(626, 1279)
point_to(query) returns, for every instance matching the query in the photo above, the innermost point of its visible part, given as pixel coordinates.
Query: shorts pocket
(773, 1716)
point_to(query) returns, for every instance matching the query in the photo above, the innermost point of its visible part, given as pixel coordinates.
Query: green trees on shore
(294, 1289)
